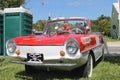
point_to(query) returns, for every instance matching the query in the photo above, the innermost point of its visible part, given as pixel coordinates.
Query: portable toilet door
(1, 32)
(17, 22)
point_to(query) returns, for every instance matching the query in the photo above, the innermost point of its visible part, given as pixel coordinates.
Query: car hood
(42, 40)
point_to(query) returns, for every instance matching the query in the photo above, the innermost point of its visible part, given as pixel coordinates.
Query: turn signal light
(62, 53)
(17, 52)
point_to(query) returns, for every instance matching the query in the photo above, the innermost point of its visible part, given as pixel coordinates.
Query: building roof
(116, 6)
(18, 9)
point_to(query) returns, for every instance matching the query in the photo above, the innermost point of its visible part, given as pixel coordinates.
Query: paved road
(114, 48)
(113, 44)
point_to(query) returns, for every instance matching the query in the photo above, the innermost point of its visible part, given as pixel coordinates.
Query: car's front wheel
(87, 72)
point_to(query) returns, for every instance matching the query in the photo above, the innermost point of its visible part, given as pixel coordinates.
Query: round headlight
(11, 46)
(72, 47)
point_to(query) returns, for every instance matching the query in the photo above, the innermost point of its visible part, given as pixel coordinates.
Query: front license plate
(35, 57)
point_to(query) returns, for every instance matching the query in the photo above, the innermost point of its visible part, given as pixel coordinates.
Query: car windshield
(65, 27)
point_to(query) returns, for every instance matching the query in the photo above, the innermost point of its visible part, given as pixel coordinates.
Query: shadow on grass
(113, 59)
(48, 75)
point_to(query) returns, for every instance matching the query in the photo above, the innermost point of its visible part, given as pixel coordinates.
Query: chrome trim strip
(91, 48)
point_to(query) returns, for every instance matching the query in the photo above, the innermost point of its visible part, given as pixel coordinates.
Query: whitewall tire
(89, 67)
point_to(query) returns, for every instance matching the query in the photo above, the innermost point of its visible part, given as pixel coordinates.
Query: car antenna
(49, 18)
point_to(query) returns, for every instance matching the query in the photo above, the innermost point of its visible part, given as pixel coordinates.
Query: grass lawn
(106, 70)
(109, 39)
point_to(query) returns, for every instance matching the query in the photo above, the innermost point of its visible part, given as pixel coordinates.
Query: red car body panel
(58, 40)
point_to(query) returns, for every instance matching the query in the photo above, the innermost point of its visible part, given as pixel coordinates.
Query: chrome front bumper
(55, 64)
(45, 64)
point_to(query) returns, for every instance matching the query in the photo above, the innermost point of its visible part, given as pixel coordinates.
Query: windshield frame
(46, 30)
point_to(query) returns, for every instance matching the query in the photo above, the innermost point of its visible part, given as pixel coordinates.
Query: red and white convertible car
(66, 44)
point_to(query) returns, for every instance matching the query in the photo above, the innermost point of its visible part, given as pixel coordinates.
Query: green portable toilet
(17, 22)
(1, 32)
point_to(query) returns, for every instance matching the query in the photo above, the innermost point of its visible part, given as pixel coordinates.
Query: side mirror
(87, 29)
(33, 32)
(56, 27)
(103, 33)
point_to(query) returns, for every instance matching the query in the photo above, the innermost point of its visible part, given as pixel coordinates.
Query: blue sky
(69, 8)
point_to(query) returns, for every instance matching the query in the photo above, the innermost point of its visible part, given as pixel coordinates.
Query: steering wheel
(76, 30)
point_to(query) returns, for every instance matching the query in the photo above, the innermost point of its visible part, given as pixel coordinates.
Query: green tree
(39, 25)
(11, 3)
(102, 24)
